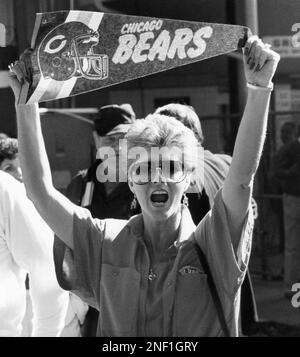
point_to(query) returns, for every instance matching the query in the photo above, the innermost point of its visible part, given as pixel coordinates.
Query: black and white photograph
(149, 172)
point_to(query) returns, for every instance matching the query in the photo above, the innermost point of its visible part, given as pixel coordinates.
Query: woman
(144, 275)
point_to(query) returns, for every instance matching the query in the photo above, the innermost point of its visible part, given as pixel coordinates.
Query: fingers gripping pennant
(78, 51)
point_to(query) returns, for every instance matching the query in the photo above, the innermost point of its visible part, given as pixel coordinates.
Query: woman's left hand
(260, 62)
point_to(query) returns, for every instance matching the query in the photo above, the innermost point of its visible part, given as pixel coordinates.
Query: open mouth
(159, 196)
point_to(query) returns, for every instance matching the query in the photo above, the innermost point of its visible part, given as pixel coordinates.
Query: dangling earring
(133, 203)
(185, 200)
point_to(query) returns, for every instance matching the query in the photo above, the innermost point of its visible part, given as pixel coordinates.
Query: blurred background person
(274, 215)
(26, 245)
(287, 171)
(9, 160)
(105, 199)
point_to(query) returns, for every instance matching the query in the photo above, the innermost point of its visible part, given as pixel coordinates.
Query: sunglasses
(148, 171)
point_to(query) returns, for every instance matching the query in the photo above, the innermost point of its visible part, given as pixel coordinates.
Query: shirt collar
(187, 226)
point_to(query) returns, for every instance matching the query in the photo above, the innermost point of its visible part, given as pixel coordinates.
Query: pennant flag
(79, 51)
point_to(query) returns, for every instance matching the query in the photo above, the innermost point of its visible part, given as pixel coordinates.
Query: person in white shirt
(26, 248)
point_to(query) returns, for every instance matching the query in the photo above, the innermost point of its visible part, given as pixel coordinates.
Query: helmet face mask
(89, 64)
(68, 51)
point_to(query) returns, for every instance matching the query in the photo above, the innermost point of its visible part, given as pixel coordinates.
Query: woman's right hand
(19, 74)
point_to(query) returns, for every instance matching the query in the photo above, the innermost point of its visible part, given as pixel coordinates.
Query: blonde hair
(158, 130)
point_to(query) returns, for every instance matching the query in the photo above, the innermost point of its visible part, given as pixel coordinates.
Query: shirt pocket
(193, 309)
(119, 297)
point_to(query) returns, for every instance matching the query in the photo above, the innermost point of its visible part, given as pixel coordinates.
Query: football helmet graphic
(68, 51)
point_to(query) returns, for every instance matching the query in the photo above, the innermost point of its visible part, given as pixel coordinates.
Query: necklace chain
(152, 275)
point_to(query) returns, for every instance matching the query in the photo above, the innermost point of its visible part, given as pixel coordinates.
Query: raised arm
(260, 63)
(54, 207)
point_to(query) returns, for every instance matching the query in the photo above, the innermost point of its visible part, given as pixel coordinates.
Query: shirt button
(115, 273)
(170, 282)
